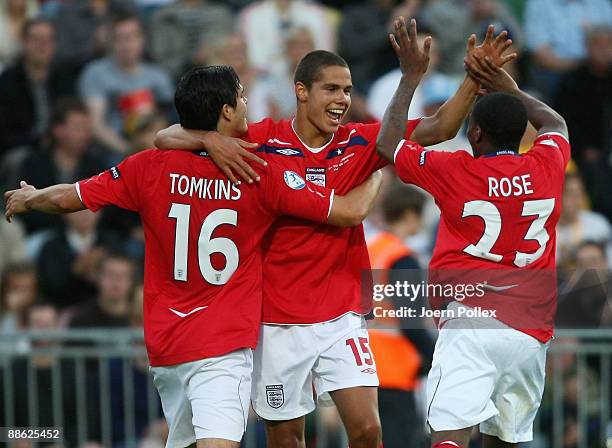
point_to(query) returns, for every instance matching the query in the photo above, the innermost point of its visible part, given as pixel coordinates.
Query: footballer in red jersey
(499, 210)
(313, 297)
(203, 262)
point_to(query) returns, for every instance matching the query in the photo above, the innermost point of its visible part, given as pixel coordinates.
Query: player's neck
(308, 133)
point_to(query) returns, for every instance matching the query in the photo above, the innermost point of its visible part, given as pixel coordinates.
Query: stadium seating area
(84, 83)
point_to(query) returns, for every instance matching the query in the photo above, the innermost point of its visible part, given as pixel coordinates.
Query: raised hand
(16, 200)
(490, 76)
(413, 61)
(493, 48)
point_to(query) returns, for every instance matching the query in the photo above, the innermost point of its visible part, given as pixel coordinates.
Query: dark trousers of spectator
(401, 425)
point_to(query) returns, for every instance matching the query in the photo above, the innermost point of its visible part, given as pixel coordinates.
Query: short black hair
(502, 118)
(64, 107)
(201, 94)
(600, 246)
(309, 68)
(121, 15)
(399, 199)
(31, 23)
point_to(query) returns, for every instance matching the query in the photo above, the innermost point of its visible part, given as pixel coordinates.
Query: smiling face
(328, 99)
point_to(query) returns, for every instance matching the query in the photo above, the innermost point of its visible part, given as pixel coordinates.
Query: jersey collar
(313, 150)
(503, 152)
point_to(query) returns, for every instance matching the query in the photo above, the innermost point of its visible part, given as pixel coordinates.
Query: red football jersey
(316, 272)
(497, 225)
(203, 262)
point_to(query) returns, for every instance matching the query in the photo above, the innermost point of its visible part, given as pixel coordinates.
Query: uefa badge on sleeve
(275, 395)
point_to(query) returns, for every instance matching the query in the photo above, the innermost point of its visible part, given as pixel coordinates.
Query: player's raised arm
(350, 210)
(62, 198)
(228, 153)
(413, 63)
(496, 79)
(448, 119)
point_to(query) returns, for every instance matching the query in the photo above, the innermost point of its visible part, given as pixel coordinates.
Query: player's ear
(301, 92)
(227, 112)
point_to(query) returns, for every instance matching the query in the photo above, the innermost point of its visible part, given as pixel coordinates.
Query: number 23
(541, 208)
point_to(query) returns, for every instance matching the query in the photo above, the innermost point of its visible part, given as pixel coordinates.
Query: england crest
(275, 395)
(316, 176)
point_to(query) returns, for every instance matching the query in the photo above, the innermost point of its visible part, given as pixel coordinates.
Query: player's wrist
(410, 80)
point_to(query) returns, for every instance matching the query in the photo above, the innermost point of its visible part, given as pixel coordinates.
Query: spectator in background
(121, 88)
(401, 346)
(139, 374)
(12, 242)
(453, 21)
(68, 260)
(13, 16)
(384, 87)
(19, 291)
(41, 317)
(577, 224)
(363, 39)
(112, 305)
(274, 96)
(30, 87)
(72, 155)
(265, 23)
(179, 29)
(83, 28)
(555, 33)
(231, 49)
(585, 294)
(589, 88)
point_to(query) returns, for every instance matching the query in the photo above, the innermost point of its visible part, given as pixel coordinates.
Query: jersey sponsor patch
(316, 176)
(422, 158)
(275, 396)
(294, 181)
(115, 172)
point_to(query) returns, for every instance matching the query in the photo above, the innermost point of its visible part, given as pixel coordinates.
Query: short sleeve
(554, 146)
(287, 193)
(118, 185)
(424, 168)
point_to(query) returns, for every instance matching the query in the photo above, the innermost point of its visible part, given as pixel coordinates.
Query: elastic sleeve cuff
(78, 190)
(331, 203)
(397, 148)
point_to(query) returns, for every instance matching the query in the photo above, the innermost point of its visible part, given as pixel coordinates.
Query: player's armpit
(350, 210)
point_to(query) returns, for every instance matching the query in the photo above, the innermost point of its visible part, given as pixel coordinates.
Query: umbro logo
(287, 152)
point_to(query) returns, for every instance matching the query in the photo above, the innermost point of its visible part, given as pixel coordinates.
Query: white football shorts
(208, 398)
(485, 373)
(292, 359)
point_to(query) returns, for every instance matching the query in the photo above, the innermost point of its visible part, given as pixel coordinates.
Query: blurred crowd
(85, 83)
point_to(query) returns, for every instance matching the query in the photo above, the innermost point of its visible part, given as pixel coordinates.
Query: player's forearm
(447, 121)
(393, 127)
(543, 117)
(351, 209)
(62, 198)
(177, 137)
